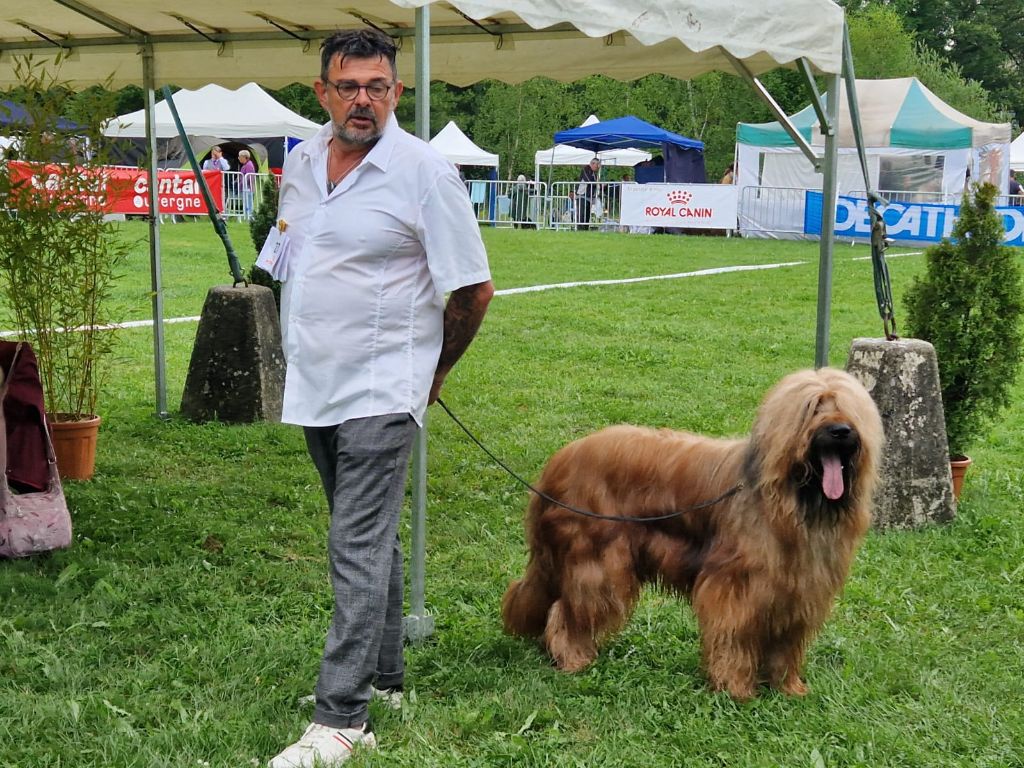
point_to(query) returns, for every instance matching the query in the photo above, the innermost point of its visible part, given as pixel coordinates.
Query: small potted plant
(59, 255)
(968, 304)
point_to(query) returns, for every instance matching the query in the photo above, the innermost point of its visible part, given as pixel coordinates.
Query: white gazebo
(451, 142)
(247, 111)
(1017, 154)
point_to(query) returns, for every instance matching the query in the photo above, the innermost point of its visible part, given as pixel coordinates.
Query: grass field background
(188, 618)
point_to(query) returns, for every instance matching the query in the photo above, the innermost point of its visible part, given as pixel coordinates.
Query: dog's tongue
(832, 477)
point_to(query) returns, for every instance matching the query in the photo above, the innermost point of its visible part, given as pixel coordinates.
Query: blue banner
(909, 222)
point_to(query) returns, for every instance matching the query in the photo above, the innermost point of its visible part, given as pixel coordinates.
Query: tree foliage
(968, 305)
(983, 40)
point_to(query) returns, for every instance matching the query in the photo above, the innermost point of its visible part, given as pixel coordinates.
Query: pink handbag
(30, 522)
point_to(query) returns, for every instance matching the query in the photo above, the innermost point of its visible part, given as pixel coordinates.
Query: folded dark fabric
(24, 413)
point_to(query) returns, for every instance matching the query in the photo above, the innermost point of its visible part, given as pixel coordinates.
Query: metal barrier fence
(243, 197)
(772, 212)
(564, 205)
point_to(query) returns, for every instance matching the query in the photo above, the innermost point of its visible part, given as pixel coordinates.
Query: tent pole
(775, 109)
(830, 185)
(418, 625)
(157, 291)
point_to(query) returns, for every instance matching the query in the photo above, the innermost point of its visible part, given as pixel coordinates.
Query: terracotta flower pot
(959, 468)
(74, 443)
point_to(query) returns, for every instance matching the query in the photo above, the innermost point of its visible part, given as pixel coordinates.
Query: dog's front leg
(729, 617)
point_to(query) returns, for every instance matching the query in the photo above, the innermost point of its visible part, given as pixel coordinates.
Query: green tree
(968, 304)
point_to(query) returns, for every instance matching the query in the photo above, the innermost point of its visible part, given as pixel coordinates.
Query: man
(380, 228)
(1014, 191)
(216, 161)
(586, 191)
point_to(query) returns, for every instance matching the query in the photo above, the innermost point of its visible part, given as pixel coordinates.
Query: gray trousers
(363, 465)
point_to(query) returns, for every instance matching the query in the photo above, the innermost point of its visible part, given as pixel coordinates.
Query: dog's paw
(794, 686)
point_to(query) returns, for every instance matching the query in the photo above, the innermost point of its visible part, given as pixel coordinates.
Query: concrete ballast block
(237, 369)
(902, 376)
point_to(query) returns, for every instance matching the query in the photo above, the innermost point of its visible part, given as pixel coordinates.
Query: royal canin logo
(679, 207)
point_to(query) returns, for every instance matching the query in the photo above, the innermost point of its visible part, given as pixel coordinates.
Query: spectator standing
(1015, 191)
(216, 161)
(586, 191)
(247, 169)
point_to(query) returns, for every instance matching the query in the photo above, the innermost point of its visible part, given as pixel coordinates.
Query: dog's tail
(527, 601)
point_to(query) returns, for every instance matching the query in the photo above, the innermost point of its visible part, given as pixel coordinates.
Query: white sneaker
(390, 697)
(324, 747)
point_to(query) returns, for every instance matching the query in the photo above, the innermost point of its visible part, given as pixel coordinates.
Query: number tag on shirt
(273, 256)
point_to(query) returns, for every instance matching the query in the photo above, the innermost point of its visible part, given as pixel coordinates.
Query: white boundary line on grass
(509, 291)
(698, 273)
(128, 324)
(552, 286)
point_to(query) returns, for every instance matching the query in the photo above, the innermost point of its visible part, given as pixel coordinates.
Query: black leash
(611, 518)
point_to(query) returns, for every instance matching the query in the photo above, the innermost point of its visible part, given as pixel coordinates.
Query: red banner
(124, 190)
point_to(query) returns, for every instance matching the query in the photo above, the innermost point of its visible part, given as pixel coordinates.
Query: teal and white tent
(918, 148)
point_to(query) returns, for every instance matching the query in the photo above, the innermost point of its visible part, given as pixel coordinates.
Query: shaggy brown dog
(761, 566)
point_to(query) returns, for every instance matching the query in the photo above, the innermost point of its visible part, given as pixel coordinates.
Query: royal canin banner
(124, 190)
(694, 206)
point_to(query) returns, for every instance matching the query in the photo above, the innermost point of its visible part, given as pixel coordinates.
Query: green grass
(189, 616)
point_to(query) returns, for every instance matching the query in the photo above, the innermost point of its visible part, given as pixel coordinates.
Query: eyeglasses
(349, 90)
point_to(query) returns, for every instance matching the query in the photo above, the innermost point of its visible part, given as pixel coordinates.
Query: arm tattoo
(462, 317)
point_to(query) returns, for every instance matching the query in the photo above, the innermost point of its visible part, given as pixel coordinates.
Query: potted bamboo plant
(968, 304)
(59, 256)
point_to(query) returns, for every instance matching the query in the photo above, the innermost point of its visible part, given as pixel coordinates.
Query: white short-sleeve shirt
(363, 301)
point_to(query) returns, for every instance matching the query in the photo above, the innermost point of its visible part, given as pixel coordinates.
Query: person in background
(247, 169)
(380, 230)
(1015, 192)
(216, 161)
(520, 201)
(730, 175)
(586, 191)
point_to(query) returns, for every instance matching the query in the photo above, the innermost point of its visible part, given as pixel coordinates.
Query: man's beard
(359, 137)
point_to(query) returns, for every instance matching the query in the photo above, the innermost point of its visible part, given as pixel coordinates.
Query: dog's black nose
(839, 431)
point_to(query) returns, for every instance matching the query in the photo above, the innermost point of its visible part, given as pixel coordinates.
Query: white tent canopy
(233, 42)
(247, 112)
(563, 154)
(451, 142)
(1017, 154)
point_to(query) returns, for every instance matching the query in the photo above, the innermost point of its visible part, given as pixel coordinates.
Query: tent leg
(156, 284)
(828, 221)
(418, 625)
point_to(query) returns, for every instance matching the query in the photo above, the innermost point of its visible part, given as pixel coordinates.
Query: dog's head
(818, 436)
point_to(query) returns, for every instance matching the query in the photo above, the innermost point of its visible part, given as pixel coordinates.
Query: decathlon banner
(913, 222)
(123, 190)
(697, 206)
